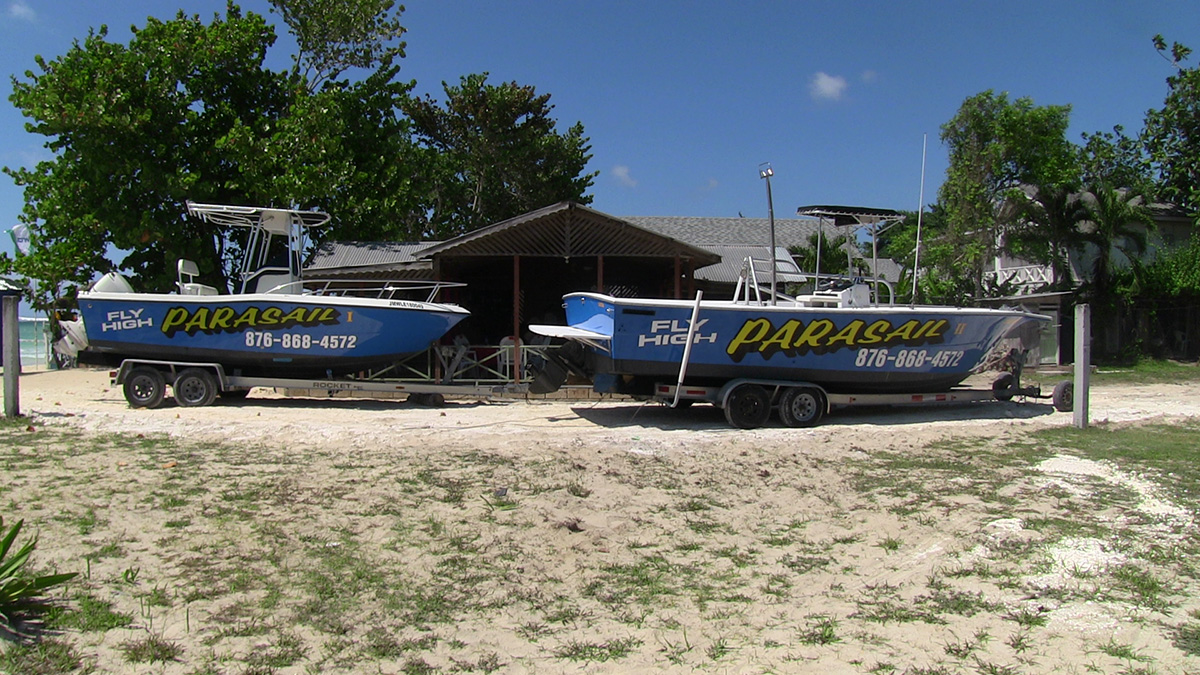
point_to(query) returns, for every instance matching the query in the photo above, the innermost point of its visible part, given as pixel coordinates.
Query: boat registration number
(265, 340)
(908, 358)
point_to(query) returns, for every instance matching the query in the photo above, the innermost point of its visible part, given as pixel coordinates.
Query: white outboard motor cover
(112, 283)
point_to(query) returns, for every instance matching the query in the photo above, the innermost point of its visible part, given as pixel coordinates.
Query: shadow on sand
(708, 417)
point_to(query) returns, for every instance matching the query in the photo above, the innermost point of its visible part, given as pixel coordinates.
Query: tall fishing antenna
(920, 212)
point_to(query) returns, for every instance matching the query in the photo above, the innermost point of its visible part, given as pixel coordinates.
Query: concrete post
(1083, 363)
(12, 356)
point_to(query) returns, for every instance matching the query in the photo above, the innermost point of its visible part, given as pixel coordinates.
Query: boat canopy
(273, 221)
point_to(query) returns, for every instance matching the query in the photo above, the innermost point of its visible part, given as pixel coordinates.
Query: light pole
(765, 172)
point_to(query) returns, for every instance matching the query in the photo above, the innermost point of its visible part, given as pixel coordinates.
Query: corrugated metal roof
(708, 232)
(343, 254)
(567, 229)
(733, 258)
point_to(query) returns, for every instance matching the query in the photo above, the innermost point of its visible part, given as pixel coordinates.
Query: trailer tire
(1064, 396)
(748, 406)
(195, 388)
(801, 406)
(145, 387)
(1003, 387)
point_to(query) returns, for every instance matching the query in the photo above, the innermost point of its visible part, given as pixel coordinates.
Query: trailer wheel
(1064, 396)
(801, 406)
(748, 406)
(195, 387)
(1002, 386)
(145, 387)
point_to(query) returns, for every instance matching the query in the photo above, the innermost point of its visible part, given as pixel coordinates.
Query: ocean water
(35, 343)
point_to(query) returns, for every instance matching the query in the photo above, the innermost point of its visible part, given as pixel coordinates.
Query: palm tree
(1049, 228)
(1119, 222)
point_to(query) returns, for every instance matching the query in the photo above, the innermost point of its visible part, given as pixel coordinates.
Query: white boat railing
(749, 290)
(385, 290)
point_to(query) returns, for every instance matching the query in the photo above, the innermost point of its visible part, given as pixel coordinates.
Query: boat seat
(266, 282)
(190, 287)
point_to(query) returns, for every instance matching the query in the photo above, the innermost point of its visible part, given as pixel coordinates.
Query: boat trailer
(748, 402)
(195, 384)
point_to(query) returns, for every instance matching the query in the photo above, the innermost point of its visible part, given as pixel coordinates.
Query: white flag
(20, 237)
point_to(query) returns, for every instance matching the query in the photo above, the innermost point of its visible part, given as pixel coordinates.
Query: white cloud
(622, 174)
(828, 87)
(20, 10)
(711, 185)
(869, 76)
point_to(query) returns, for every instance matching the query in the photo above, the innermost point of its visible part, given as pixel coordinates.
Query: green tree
(337, 35)
(499, 154)
(1119, 224)
(996, 146)
(188, 111)
(136, 130)
(834, 259)
(1172, 133)
(1046, 228)
(1116, 159)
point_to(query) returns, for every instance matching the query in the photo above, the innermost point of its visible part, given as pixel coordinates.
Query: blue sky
(683, 100)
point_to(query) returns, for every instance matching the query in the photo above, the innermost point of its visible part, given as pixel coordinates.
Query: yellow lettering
(874, 333)
(814, 332)
(173, 320)
(293, 317)
(904, 332)
(781, 339)
(270, 316)
(937, 329)
(247, 318)
(221, 317)
(197, 322)
(848, 335)
(752, 331)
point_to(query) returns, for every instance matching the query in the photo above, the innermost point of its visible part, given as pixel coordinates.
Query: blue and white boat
(838, 340)
(279, 323)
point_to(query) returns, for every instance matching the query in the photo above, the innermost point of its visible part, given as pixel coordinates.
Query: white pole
(920, 212)
(1083, 363)
(687, 348)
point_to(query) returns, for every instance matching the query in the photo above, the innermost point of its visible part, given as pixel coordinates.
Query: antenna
(920, 212)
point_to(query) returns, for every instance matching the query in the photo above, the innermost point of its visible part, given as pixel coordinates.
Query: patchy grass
(262, 560)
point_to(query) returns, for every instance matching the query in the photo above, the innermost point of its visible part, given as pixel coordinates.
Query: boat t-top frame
(264, 225)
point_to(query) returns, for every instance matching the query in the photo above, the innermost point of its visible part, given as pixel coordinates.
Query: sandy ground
(594, 487)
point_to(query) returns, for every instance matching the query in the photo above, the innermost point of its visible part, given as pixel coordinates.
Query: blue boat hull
(635, 343)
(280, 335)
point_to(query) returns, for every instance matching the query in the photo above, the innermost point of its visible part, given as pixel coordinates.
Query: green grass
(1147, 371)
(407, 558)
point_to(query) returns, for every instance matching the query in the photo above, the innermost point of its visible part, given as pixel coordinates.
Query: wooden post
(12, 356)
(1083, 363)
(516, 362)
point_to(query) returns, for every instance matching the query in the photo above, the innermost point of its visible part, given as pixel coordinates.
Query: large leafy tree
(1172, 133)
(337, 35)
(136, 130)
(499, 154)
(187, 110)
(995, 147)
